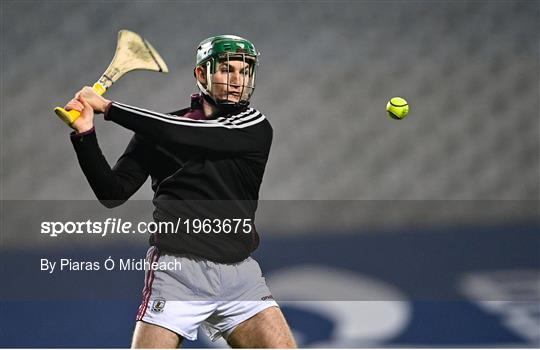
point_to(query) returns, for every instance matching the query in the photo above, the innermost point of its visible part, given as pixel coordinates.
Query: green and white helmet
(221, 49)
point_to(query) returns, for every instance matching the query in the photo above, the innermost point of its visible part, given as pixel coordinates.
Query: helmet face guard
(230, 65)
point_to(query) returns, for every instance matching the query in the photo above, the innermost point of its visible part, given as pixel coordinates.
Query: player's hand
(97, 102)
(86, 121)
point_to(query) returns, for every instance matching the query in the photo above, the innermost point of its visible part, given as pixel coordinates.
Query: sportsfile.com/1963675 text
(119, 226)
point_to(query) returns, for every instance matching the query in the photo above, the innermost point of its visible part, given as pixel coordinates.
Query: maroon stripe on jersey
(147, 291)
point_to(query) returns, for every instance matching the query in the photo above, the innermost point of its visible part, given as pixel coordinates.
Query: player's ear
(200, 74)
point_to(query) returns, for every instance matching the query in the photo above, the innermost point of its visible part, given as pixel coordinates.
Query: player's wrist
(79, 129)
(106, 104)
(102, 106)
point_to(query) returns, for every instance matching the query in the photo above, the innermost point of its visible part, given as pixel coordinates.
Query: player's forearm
(158, 128)
(214, 136)
(103, 181)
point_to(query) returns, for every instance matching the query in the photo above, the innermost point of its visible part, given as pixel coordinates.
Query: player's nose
(236, 79)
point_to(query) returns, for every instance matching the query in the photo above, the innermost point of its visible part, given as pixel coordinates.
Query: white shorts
(216, 296)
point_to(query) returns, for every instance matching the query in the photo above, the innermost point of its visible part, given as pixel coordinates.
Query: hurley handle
(70, 116)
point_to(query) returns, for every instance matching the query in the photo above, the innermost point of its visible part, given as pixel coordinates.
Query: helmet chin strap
(209, 99)
(223, 106)
(220, 108)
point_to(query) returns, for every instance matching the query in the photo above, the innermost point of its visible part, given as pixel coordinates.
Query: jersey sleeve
(112, 186)
(245, 132)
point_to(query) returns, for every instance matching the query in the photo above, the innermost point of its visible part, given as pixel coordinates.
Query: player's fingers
(85, 103)
(87, 91)
(73, 105)
(79, 104)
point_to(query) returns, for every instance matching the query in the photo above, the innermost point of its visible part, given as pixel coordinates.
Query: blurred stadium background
(431, 223)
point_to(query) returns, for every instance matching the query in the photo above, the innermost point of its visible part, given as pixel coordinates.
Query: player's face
(232, 80)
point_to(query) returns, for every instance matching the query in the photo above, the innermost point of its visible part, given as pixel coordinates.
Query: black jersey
(200, 169)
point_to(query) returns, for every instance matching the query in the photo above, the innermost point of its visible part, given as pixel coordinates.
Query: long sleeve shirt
(200, 169)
